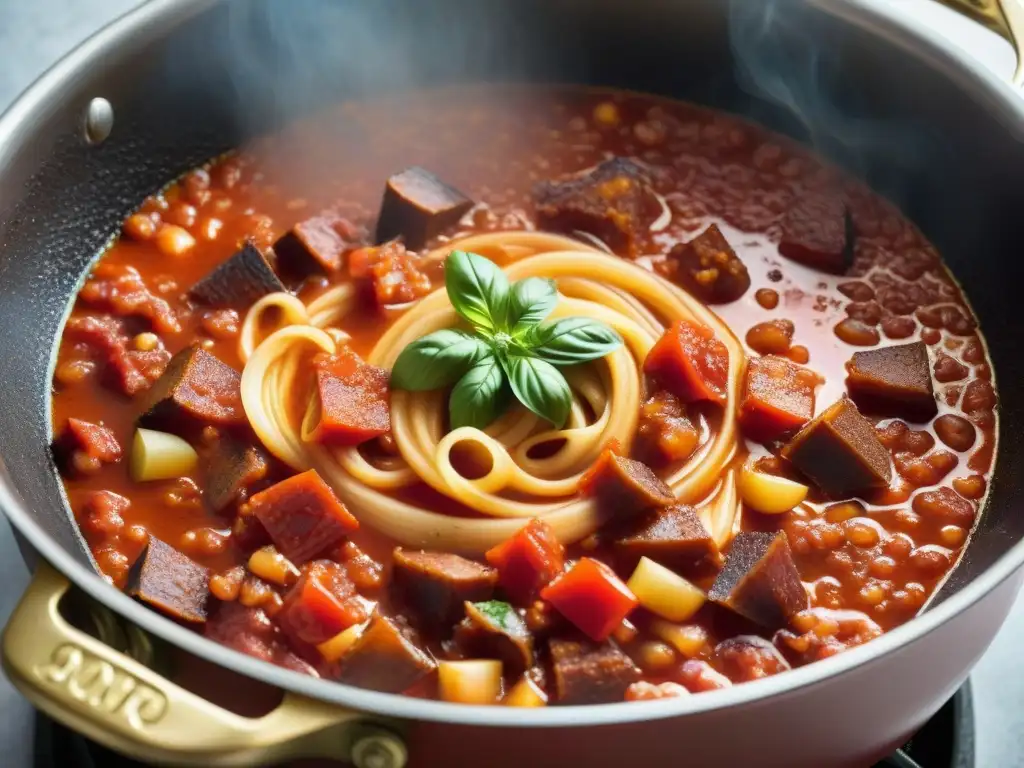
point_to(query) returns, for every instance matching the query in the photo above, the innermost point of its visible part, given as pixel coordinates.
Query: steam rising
(785, 54)
(286, 59)
(280, 60)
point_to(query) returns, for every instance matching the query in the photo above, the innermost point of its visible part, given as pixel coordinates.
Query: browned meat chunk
(322, 603)
(670, 533)
(119, 289)
(435, 585)
(165, 579)
(250, 631)
(493, 630)
(82, 448)
(126, 370)
(817, 230)
(590, 673)
(626, 486)
(609, 202)
(778, 398)
(385, 658)
(197, 389)
(232, 468)
(760, 580)
(708, 268)
(894, 381)
(316, 245)
(239, 282)
(302, 515)
(418, 206)
(840, 451)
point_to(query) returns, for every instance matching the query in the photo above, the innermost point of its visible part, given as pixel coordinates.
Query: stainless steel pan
(178, 81)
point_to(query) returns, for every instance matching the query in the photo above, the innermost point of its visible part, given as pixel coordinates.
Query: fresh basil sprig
(509, 350)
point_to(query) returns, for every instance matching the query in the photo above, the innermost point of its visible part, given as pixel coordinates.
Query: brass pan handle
(1004, 17)
(120, 703)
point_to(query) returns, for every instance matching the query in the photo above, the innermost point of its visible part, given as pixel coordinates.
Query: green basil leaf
(540, 387)
(480, 396)
(477, 289)
(574, 340)
(531, 301)
(437, 360)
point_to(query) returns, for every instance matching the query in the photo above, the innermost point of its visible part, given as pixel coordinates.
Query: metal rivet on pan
(99, 120)
(379, 749)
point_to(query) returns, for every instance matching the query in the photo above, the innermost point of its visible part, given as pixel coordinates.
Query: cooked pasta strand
(607, 396)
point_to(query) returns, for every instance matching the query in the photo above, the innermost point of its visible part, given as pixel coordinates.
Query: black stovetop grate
(946, 741)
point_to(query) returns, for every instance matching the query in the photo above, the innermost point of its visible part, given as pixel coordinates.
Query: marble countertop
(35, 34)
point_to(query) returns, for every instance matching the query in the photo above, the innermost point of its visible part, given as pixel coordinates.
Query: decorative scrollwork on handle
(99, 684)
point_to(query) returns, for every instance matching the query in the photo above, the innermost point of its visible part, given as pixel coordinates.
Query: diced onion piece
(160, 456)
(338, 646)
(271, 565)
(525, 693)
(688, 639)
(663, 592)
(477, 681)
(770, 494)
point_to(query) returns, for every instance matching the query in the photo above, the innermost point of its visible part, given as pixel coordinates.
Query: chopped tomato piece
(353, 397)
(690, 362)
(528, 561)
(394, 272)
(322, 603)
(361, 261)
(592, 597)
(666, 431)
(590, 478)
(778, 397)
(302, 516)
(83, 447)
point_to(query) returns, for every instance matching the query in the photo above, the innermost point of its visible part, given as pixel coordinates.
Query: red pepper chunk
(778, 398)
(690, 362)
(322, 603)
(353, 399)
(528, 561)
(302, 516)
(592, 597)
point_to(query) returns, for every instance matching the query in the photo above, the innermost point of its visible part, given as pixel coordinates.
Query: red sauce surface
(876, 559)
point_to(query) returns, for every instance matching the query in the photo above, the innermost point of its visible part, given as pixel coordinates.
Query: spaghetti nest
(532, 469)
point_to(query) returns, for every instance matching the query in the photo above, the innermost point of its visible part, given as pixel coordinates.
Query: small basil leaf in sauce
(437, 360)
(573, 340)
(530, 302)
(478, 290)
(540, 387)
(480, 395)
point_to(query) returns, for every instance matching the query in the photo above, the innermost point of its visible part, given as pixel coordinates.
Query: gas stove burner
(945, 741)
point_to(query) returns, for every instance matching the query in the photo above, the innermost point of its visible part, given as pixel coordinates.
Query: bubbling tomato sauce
(866, 560)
